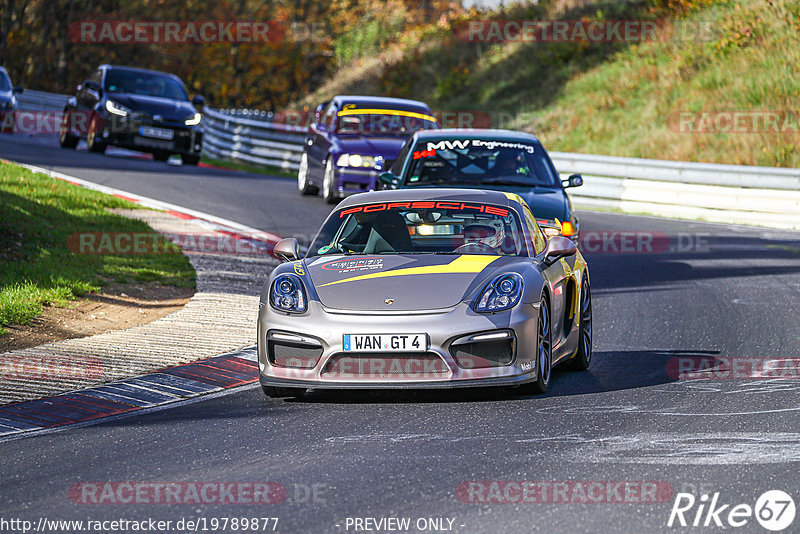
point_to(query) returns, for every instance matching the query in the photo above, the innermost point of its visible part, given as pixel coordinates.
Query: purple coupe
(354, 139)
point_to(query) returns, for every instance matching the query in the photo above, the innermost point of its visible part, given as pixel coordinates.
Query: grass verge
(38, 214)
(710, 58)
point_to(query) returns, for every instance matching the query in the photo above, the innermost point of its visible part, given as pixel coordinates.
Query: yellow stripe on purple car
(387, 112)
(462, 265)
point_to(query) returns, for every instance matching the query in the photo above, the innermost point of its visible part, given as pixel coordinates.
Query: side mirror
(19, 89)
(198, 100)
(388, 179)
(575, 180)
(287, 249)
(559, 247)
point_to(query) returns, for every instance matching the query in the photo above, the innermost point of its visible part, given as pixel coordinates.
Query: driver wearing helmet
(484, 236)
(508, 163)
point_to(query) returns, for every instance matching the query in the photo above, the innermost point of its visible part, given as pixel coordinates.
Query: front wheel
(544, 350)
(279, 392)
(581, 360)
(303, 185)
(328, 184)
(65, 138)
(92, 142)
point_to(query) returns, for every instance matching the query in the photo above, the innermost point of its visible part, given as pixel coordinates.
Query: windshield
(5, 82)
(421, 228)
(476, 162)
(144, 83)
(387, 122)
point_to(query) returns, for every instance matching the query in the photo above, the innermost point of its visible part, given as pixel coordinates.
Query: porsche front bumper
(460, 351)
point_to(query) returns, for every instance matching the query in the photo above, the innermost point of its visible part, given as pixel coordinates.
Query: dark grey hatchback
(143, 110)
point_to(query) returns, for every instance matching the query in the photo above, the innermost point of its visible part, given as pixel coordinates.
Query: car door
(557, 274)
(86, 99)
(89, 95)
(320, 142)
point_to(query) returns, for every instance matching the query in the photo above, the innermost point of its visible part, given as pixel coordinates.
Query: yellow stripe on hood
(461, 265)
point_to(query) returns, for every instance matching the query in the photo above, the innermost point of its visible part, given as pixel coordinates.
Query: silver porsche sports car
(428, 288)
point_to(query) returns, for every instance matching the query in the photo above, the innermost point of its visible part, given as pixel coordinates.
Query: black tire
(92, 143)
(189, 160)
(583, 358)
(279, 392)
(544, 350)
(303, 184)
(327, 184)
(66, 139)
(161, 156)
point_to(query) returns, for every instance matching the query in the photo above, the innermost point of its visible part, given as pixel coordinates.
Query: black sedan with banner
(143, 110)
(502, 160)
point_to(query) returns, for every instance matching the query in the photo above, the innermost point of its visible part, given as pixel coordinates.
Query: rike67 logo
(774, 510)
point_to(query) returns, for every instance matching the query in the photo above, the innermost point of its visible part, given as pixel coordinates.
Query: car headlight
(503, 293)
(356, 160)
(287, 294)
(194, 120)
(117, 109)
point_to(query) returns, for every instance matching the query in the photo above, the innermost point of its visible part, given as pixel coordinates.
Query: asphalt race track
(705, 293)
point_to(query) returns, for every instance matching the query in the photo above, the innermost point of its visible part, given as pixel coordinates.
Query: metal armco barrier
(739, 194)
(258, 141)
(40, 101)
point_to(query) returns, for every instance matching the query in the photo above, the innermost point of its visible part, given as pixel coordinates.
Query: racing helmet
(508, 162)
(490, 233)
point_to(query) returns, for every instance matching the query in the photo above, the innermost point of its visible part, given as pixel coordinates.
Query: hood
(413, 282)
(544, 203)
(171, 110)
(388, 147)
(547, 203)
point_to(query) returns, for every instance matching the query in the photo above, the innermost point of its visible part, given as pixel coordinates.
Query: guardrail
(40, 101)
(738, 194)
(763, 196)
(253, 138)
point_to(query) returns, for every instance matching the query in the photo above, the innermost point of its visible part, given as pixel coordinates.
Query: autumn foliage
(38, 44)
